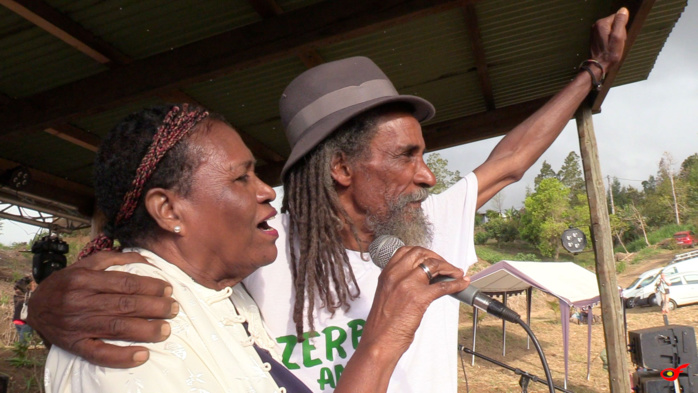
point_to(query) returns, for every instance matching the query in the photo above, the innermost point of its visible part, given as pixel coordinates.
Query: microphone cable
(544, 362)
(539, 349)
(465, 375)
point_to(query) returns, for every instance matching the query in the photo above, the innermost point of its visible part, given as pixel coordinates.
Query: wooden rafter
(282, 36)
(483, 75)
(67, 30)
(479, 126)
(270, 8)
(76, 136)
(266, 8)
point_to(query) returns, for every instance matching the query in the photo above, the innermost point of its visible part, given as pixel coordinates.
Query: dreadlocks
(319, 261)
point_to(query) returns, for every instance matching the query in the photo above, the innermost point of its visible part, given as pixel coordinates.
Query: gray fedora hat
(323, 98)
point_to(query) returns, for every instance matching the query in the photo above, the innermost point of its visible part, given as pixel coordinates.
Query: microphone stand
(526, 377)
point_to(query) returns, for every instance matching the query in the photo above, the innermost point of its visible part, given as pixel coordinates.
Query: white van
(639, 292)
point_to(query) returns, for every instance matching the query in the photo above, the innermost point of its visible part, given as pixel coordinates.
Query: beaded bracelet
(596, 84)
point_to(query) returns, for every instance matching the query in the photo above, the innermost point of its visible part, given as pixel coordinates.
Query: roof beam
(639, 11)
(473, 27)
(479, 126)
(266, 8)
(271, 39)
(75, 136)
(270, 8)
(62, 27)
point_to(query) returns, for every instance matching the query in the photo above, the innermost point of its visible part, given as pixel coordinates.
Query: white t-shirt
(430, 364)
(208, 351)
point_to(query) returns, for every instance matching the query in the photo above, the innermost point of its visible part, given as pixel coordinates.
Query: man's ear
(164, 206)
(340, 169)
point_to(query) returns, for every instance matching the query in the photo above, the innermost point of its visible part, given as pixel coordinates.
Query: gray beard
(406, 223)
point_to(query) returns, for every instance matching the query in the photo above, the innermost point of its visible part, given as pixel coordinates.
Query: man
(356, 170)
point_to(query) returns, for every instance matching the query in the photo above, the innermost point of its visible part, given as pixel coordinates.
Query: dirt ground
(545, 323)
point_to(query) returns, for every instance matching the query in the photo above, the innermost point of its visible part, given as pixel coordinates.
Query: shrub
(481, 238)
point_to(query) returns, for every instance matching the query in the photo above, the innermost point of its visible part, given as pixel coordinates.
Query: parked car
(686, 262)
(639, 292)
(685, 238)
(683, 289)
(642, 292)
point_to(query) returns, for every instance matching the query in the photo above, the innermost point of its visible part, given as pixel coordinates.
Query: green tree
(688, 177)
(546, 172)
(619, 226)
(570, 175)
(547, 216)
(445, 178)
(501, 229)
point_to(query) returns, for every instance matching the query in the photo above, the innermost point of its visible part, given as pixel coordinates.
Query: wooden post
(611, 308)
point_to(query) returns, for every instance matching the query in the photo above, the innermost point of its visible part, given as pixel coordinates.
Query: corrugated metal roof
(143, 28)
(531, 48)
(32, 60)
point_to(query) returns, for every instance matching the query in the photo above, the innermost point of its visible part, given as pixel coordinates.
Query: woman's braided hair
(319, 260)
(142, 152)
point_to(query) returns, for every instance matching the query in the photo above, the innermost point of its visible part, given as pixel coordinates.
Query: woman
(177, 185)
(663, 288)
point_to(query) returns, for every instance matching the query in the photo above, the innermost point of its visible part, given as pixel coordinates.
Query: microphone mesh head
(383, 248)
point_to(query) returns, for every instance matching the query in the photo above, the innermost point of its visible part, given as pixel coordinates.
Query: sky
(637, 124)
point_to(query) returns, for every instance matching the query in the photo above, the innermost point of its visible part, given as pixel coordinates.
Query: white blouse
(208, 350)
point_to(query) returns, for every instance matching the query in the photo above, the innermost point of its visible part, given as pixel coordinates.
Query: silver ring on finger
(426, 270)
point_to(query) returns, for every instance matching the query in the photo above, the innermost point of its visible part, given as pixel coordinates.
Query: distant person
(663, 288)
(23, 290)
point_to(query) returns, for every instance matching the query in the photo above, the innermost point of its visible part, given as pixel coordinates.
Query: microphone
(383, 248)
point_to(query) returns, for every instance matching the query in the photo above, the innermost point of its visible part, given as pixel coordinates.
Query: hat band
(335, 101)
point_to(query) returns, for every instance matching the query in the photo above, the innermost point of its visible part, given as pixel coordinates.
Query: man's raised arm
(523, 145)
(76, 307)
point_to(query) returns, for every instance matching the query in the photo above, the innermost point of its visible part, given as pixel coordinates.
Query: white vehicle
(642, 292)
(639, 292)
(683, 289)
(686, 262)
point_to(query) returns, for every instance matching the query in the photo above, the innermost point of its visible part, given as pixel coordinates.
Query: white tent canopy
(567, 281)
(572, 284)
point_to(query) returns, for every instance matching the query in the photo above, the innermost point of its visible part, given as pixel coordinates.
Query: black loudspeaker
(652, 382)
(663, 346)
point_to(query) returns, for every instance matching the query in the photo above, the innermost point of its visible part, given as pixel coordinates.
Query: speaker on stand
(666, 358)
